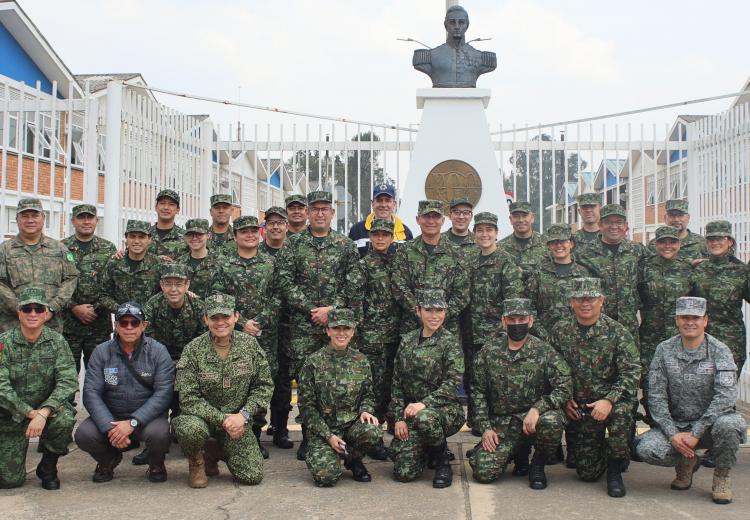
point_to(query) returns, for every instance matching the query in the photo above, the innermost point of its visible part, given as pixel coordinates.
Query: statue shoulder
(422, 57)
(489, 59)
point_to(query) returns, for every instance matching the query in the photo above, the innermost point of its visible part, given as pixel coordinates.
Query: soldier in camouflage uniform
(692, 246)
(31, 259)
(222, 378)
(693, 390)
(524, 245)
(296, 208)
(276, 226)
(167, 238)
(338, 405)
(134, 277)
(461, 211)
(429, 262)
(201, 264)
(521, 385)
(589, 206)
(427, 372)
(311, 277)
(723, 281)
(37, 382)
(85, 323)
(221, 233)
(606, 369)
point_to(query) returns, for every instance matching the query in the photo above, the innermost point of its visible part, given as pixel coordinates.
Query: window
(237, 190)
(76, 149)
(650, 191)
(12, 130)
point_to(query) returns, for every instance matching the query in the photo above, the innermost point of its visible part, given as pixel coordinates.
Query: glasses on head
(129, 323)
(174, 285)
(36, 309)
(461, 212)
(275, 223)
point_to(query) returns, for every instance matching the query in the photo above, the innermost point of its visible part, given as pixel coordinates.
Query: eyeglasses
(461, 212)
(275, 223)
(173, 285)
(37, 309)
(129, 323)
(320, 211)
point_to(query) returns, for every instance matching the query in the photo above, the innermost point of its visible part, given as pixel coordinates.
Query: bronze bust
(455, 64)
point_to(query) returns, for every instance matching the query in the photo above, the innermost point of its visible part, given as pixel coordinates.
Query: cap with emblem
(677, 205)
(133, 309)
(520, 206)
(430, 206)
(690, 306)
(170, 194)
(245, 221)
(586, 288)
(295, 199)
(137, 226)
(219, 303)
(558, 232)
(381, 224)
(276, 210)
(32, 295)
(719, 228)
(84, 209)
(384, 189)
(175, 271)
(319, 196)
(341, 318)
(221, 198)
(30, 204)
(517, 307)
(612, 209)
(666, 232)
(431, 299)
(588, 199)
(485, 217)
(460, 200)
(196, 225)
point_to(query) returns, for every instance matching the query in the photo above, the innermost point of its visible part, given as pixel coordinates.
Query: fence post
(207, 168)
(693, 195)
(91, 164)
(113, 173)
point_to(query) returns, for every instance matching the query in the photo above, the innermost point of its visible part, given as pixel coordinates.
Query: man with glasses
(589, 208)
(37, 381)
(128, 388)
(221, 230)
(167, 237)
(276, 227)
(692, 246)
(383, 207)
(201, 264)
(296, 208)
(524, 245)
(461, 212)
(31, 259)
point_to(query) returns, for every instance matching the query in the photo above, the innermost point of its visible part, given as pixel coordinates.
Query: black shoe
(537, 477)
(302, 450)
(707, 459)
(47, 471)
(359, 471)
(263, 450)
(157, 473)
(615, 485)
(378, 452)
(521, 462)
(105, 471)
(281, 440)
(141, 459)
(443, 472)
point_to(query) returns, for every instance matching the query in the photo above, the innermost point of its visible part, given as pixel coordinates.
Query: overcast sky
(556, 60)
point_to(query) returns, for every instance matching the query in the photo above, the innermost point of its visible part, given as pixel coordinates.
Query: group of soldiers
(549, 335)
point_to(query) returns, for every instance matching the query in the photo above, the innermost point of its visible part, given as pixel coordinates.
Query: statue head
(456, 22)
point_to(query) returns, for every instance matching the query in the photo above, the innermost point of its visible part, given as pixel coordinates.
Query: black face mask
(518, 331)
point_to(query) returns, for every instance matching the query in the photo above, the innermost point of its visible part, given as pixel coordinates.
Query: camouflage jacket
(493, 278)
(581, 238)
(414, 268)
(527, 256)
(174, 328)
(603, 360)
(270, 251)
(210, 387)
(335, 387)
(549, 292)
(313, 273)
(691, 389)
(119, 285)
(33, 376)
(50, 267)
(509, 383)
(467, 246)
(202, 276)
(692, 247)
(660, 283)
(372, 301)
(172, 245)
(220, 240)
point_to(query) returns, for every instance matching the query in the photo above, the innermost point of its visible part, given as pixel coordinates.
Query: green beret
(175, 271)
(586, 288)
(30, 204)
(485, 217)
(32, 295)
(219, 303)
(221, 198)
(719, 228)
(460, 200)
(666, 232)
(431, 299)
(296, 198)
(381, 224)
(588, 199)
(559, 231)
(612, 209)
(197, 225)
(517, 307)
(341, 318)
(84, 209)
(678, 205)
(430, 206)
(520, 206)
(137, 226)
(276, 210)
(170, 194)
(245, 221)
(319, 196)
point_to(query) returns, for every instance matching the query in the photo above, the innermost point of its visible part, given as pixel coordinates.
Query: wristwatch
(134, 422)
(245, 414)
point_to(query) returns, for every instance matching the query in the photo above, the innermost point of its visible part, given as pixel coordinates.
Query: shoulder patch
(726, 378)
(70, 256)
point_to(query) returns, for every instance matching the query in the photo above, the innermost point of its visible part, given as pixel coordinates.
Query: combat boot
(684, 473)
(281, 439)
(141, 459)
(537, 477)
(302, 450)
(359, 471)
(197, 470)
(263, 449)
(721, 491)
(521, 461)
(47, 471)
(615, 485)
(212, 454)
(377, 452)
(443, 472)
(105, 468)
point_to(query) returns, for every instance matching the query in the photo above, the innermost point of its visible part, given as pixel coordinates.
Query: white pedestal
(454, 126)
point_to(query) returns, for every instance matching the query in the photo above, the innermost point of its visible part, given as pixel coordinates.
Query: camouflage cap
(133, 309)
(276, 210)
(296, 198)
(31, 204)
(612, 209)
(677, 205)
(137, 226)
(245, 221)
(558, 232)
(219, 303)
(588, 199)
(197, 225)
(170, 194)
(381, 224)
(666, 232)
(690, 306)
(719, 228)
(319, 196)
(485, 217)
(460, 200)
(517, 307)
(341, 318)
(32, 295)
(84, 209)
(431, 299)
(221, 198)
(586, 288)
(520, 206)
(175, 271)
(430, 206)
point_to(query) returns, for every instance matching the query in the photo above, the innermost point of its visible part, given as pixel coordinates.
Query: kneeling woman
(337, 404)
(426, 377)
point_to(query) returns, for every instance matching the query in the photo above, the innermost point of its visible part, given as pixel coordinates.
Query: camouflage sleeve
(66, 377)
(288, 288)
(478, 389)
(149, 311)
(725, 391)
(107, 288)
(559, 381)
(397, 404)
(68, 283)
(308, 400)
(268, 317)
(532, 292)
(512, 281)
(9, 399)
(343, 291)
(453, 369)
(217, 280)
(188, 386)
(8, 300)
(367, 403)
(628, 362)
(356, 285)
(459, 293)
(260, 392)
(658, 394)
(402, 290)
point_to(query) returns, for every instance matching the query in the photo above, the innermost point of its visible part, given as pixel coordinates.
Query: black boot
(47, 470)
(141, 459)
(157, 472)
(359, 471)
(378, 452)
(443, 472)
(302, 450)
(105, 467)
(279, 419)
(615, 485)
(521, 461)
(537, 477)
(263, 449)
(570, 461)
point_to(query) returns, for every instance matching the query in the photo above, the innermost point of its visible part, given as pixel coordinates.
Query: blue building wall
(17, 65)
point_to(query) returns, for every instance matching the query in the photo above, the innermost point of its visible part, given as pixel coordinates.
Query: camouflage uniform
(692, 246)
(200, 270)
(268, 250)
(172, 244)
(33, 376)
(174, 328)
(581, 236)
(527, 253)
(210, 388)
(219, 242)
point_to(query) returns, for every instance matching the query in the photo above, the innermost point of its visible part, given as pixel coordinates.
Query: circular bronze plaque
(453, 179)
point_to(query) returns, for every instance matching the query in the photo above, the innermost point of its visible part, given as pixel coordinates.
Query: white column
(113, 173)
(207, 167)
(91, 161)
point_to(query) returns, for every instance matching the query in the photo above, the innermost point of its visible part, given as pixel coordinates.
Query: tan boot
(197, 467)
(685, 469)
(721, 491)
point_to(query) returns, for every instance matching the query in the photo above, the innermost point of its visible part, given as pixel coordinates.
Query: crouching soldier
(692, 387)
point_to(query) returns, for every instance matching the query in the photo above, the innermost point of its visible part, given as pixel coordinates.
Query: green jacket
(172, 245)
(202, 275)
(119, 285)
(527, 255)
(549, 292)
(692, 247)
(174, 328)
(374, 308)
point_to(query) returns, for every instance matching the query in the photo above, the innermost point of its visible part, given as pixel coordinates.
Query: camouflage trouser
(647, 354)
(324, 463)
(377, 356)
(733, 336)
(428, 429)
(269, 344)
(14, 444)
(242, 455)
(304, 343)
(593, 448)
(83, 339)
(723, 439)
(470, 350)
(489, 466)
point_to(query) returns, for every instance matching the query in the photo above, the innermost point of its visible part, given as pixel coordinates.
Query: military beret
(245, 221)
(384, 189)
(84, 209)
(221, 198)
(719, 228)
(666, 232)
(133, 309)
(690, 306)
(197, 225)
(219, 303)
(612, 209)
(319, 196)
(170, 194)
(460, 200)
(559, 231)
(588, 199)
(381, 224)
(586, 288)
(520, 206)
(30, 204)
(32, 295)
(175, 271)
(485, 217)
(430, 206)
(341, 318)
(517, 307)
(678, 205)
(431, 299)
(296, 198)
(276, 210)
(137, 226)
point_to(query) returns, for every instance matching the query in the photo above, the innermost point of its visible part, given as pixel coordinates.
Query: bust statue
(455, 64)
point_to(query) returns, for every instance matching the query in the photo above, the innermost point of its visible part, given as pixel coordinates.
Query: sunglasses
(37, 309)
(129, 323)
